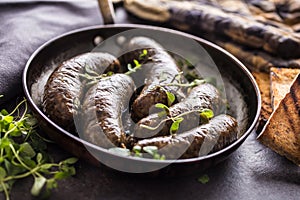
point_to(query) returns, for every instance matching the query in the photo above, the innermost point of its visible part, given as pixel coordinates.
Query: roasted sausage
(257, 60)
(65, 86)
(102, 110)
(199, 141)
(241, 29)
(158, 69)
(204, 96)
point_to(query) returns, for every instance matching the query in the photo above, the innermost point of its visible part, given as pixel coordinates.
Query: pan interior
(239, 89)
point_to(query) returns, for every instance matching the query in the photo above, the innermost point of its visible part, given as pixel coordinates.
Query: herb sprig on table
(23, 154)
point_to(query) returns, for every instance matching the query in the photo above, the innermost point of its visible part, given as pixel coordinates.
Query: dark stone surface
(252, 172)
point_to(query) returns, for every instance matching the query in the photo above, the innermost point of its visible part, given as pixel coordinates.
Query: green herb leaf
(2, 173)
(162, 106)
(64, 173)
(206, 113)
(27, 150)
(119, 151)
(30, 121)
(110, 73)
(162, 157)
(203, 179)
(14, 130)
(171, 98)
(137, 148)
(137, 64)
(39, 158)
(70, 161)
(137, 151)
(13, 169)
(150, 149)
(156, 156)
(198, 82)
(7, 119)
(4, 143)
(46, 166)
(29, 162)
(4, 112)
(22, 153)
(153, 151)
(145, 52)
(175, 125)
(38, 184)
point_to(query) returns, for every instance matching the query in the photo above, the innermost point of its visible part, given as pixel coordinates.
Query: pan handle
(107, 11)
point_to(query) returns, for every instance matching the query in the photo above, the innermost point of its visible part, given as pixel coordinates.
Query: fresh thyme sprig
(137, 63)
(137, 152)
(23, 154)
(91, 77)
(133, 69)
(153, 151)
(205, 115)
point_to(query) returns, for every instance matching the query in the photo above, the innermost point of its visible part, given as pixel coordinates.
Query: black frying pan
(242, 92)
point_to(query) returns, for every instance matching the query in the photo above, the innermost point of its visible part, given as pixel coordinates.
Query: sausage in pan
(102, 110)
(199, 141)
(159, 68)
(65, 85)
(204, 96)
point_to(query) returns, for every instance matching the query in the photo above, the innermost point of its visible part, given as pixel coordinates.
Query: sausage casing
(199, 141)
(102, 110)
(65, 85)
(158, 70)
(204, 96)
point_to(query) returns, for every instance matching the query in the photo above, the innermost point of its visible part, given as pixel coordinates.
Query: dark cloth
(26, 25)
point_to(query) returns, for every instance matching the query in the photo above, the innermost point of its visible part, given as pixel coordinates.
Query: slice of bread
(263, 81)
(281, 79)
(282, 131)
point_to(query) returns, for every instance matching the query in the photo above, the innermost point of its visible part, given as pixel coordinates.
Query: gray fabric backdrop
(25, 25)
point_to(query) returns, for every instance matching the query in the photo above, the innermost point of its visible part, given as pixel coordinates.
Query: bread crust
(282, 131)
(263, 81)
(281, 80)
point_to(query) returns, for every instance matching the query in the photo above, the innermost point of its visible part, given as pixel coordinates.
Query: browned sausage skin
(199, 141)
(158, 70)
(102, 110)
(65, 85)
(204, 96)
